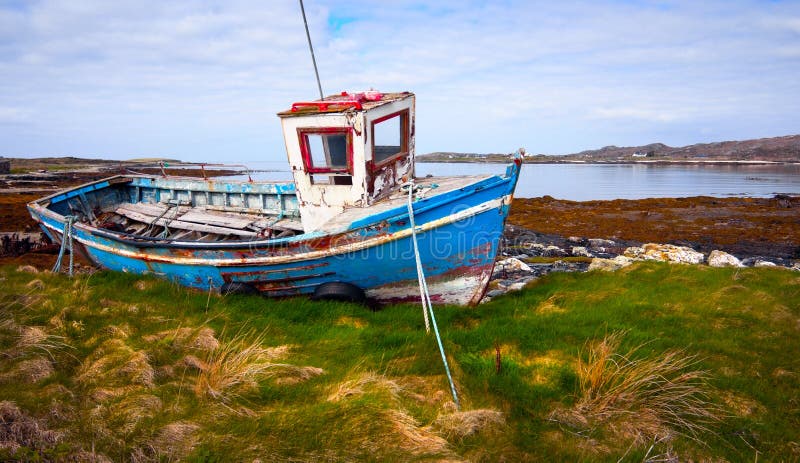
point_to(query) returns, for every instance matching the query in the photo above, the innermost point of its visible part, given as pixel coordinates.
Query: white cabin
(348, 150)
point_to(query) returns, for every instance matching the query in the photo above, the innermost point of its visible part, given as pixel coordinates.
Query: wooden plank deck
(158, 215)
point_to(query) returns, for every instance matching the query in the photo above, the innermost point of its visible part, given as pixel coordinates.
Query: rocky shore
(527, 255)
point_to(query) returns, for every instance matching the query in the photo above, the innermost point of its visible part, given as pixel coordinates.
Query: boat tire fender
(339, 291)
(236, 287)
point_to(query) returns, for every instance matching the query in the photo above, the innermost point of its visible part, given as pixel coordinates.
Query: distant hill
(776, 149)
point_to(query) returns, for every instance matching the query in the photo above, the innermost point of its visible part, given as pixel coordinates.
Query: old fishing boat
(342, 227)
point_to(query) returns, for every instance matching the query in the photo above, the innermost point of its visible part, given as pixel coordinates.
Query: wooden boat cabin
(349, 150)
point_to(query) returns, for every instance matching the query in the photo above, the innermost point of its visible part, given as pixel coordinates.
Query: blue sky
(202, 80)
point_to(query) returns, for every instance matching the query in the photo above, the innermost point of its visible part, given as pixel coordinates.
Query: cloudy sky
(202, 80)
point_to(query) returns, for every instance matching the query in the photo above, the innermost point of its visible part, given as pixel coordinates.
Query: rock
(517, 286)
(554, 251)
(495, 293)
(580, 251)
(600, 243)
(27, 269)
(665, 253)
(512, 264)
(634, 252)
(610, 265)
(575, 239)
(764, 263)
(723, 259)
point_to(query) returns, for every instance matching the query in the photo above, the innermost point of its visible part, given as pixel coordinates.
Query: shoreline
(745, 226)
(621, 162)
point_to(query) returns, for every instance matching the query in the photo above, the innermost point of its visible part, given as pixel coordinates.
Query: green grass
(143, 370)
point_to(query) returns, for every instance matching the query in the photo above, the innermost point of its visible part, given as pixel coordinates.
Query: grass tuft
(19, 430)
(237, 365)
(460, 425)
(646, 399)
(173, 442)
(364, 383)
(31, 340)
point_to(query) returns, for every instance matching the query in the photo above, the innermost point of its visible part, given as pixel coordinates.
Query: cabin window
(389, 138)
(328, 155)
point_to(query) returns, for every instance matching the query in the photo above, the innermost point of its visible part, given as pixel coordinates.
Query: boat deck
(177, 221)
(425, 186)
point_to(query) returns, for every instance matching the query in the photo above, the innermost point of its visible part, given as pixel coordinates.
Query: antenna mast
(310, 47)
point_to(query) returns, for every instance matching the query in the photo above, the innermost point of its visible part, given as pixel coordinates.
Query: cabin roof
(342, 102)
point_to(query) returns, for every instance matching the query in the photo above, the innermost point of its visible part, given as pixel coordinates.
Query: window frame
(405, 134)
(305, 150)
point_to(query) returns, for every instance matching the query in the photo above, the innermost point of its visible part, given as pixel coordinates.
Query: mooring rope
(66, 240)
(425, 294)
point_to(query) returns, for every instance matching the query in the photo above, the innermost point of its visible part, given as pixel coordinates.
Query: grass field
(656, 362)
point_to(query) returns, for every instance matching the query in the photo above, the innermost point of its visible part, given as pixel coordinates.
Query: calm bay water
(582, 182)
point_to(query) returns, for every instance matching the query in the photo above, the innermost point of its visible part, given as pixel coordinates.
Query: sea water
(582, 182)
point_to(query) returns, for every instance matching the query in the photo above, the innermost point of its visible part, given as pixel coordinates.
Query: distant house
(5, 166)
(643, 154)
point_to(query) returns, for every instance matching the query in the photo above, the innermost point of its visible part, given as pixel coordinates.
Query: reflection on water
(582, 182)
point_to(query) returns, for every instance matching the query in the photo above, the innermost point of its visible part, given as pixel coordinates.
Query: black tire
(236, 287)
(339, 291)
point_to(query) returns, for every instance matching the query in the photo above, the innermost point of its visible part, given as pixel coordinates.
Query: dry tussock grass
(741, 406)
(425, 389)
(17, 429)
(291, 374)
(34, 370)
(646, 400)
(202, 338)
(459, 425)
(36, 284)
(236, 365)
(114, 363)
(33, 340)
(364, 383)
(408, 435)
(173, 442)
(121, 332)
(396, 429)
(133, 409)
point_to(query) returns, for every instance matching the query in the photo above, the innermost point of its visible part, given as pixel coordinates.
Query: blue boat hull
(458, 234)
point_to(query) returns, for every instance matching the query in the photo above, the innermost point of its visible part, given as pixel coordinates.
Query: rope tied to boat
(66, 241)
(425, 297)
